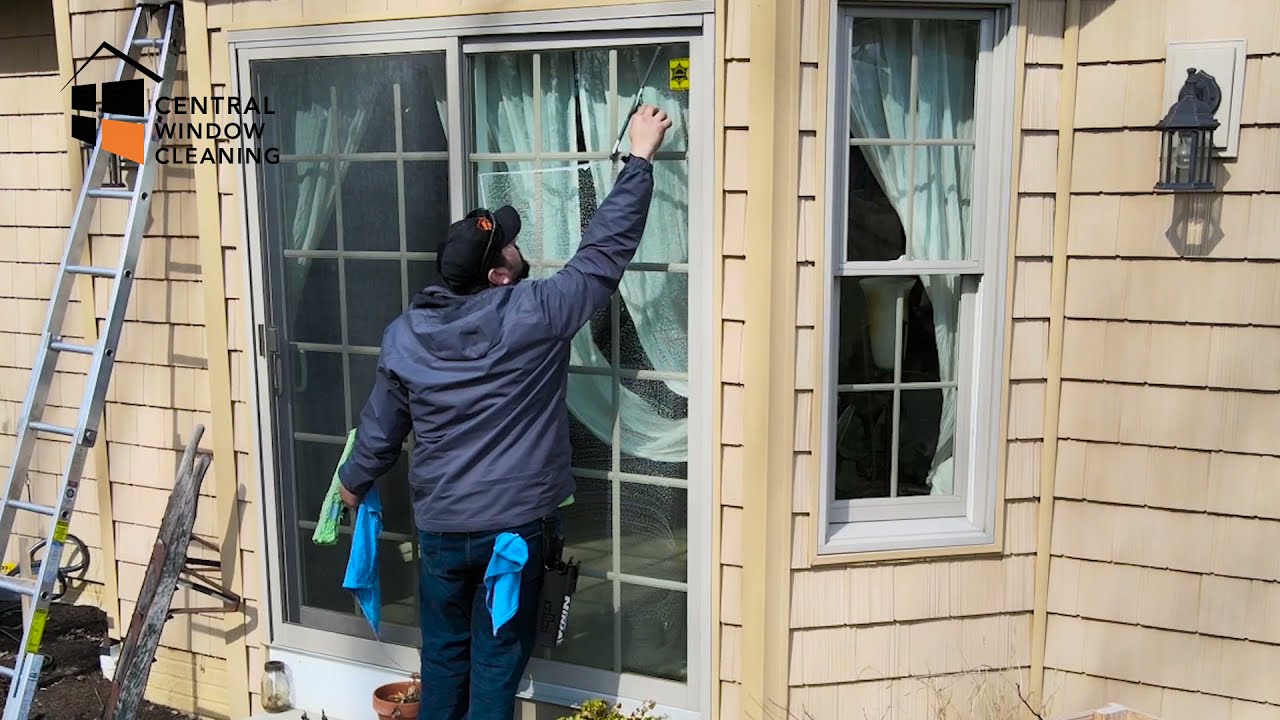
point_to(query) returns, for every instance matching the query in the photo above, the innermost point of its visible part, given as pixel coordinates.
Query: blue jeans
(468, 673)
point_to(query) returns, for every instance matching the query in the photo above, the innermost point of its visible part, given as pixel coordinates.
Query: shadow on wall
(1196, 228)
(28, 45)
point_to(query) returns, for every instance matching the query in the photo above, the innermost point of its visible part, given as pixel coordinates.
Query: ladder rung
(33, 507)
(109, 193)
(60, 346)
(6, 672)
(55, 429)
(148, 42)
(21, 586)
(126, 118)
(90, 270)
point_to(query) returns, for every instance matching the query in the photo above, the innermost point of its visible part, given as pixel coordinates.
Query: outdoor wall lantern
(1186, 143)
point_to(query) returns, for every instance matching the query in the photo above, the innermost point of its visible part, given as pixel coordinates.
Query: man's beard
(524, 272)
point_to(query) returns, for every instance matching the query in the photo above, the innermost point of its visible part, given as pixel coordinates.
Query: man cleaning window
(478, 370)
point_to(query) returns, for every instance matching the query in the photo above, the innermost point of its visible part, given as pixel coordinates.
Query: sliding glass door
(382, 144)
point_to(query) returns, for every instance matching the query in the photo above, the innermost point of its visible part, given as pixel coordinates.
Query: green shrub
(601, 710)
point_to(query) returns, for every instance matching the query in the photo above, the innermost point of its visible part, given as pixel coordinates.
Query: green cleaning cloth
(326, 532)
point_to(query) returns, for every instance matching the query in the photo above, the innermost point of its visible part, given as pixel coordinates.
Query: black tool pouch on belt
(559, 581)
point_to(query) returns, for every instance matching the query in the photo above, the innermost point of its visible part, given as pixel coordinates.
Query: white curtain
(324, 130)
(315, 134)
(934, 203)
(554, 213)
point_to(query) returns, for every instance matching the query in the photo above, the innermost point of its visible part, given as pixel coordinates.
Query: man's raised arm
(571, 296)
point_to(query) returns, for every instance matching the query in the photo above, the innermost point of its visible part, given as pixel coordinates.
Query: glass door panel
(350, 219)
(544, 124)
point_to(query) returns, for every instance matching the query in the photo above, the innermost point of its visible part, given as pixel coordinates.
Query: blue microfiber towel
(362, 566)
(502, 578)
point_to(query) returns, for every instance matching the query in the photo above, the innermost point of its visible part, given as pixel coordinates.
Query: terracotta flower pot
(385, 705)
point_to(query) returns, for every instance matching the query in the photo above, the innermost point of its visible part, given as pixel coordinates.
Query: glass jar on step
(277, 691)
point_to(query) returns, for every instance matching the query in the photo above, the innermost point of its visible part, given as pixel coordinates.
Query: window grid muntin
(969, 272)
(615, 476)
(400, 195)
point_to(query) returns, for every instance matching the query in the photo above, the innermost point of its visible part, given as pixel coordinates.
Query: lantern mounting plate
(1225, 61)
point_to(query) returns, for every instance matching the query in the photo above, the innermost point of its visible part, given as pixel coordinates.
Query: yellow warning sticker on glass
(680, 74)
(60, 531)
(37, 630)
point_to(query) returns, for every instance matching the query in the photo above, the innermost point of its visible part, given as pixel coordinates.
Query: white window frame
(967, 518)
(691, 21)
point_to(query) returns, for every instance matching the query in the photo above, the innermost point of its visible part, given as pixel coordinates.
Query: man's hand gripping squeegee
(635, 105)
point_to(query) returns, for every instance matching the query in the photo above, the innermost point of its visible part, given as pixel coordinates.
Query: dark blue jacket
(480, 380)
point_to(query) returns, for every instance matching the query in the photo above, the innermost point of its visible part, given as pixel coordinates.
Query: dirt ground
(73, 688)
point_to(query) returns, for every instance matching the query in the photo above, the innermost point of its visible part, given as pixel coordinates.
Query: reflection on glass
(426, 204)
(880, 73)
(347, 104)
(588, 637)
(655, 531)
(588, 527)
(589, 451)
(374, 299)
(655, 631)
(308, 212)
(898, 337)
(312, 283)
(874, 310)
(397, 574)
(942, 210)
(324, 567)
(363, 368)
(907, 200)
(317, 408)
(864, 436)
(926, 441)
(314, 459)
(369, 190)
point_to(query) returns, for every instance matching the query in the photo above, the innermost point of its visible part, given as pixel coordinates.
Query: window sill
(878, 541)
(567, 697)
(325, 666)
(324, 680)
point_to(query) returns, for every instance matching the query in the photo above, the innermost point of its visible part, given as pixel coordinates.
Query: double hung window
(915, 295)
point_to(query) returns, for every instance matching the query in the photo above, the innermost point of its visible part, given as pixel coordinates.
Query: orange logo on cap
(484, 224)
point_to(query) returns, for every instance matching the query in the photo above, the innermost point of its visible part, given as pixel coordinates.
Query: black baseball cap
(472, 246)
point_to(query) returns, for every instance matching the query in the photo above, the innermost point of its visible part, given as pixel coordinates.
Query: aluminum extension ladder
(25, 674)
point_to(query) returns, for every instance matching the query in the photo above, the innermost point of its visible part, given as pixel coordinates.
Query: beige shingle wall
(1163, 588)
(733, 300)
(945, 638)
(159, 388)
